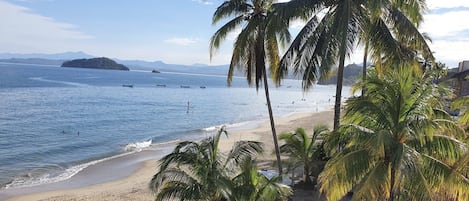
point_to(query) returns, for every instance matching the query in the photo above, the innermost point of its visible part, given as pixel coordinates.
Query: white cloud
(181, 41)
(451, 52)
(448, 30)
(297, 24)
(432, 4)
(445, 24)
(25, 31)
(205, 2)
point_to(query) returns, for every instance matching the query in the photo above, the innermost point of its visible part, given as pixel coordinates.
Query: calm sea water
(56, 121)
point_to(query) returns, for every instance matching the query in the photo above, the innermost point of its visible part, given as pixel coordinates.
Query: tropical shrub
(302, 149)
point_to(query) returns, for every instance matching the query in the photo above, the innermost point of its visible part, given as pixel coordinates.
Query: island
(95, 63)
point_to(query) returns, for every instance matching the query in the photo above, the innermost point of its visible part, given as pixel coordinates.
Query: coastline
(131, 179)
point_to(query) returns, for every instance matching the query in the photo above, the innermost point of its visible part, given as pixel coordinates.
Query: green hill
(96, 63)
(351, 74)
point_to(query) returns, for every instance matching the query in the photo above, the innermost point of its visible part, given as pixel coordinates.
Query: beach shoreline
(132, 179)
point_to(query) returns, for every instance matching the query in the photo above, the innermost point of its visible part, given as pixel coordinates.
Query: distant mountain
(33, 61)
(57, 56)
(96, 63)
(164, 67)
(351, 74)
(199, 64)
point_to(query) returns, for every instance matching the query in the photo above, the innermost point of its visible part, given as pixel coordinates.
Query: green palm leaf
(302, 149)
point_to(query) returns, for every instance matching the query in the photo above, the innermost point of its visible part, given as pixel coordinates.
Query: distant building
(463, 66)
(461, 84)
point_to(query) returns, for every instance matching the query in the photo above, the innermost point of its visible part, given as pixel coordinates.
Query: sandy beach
(135, 186)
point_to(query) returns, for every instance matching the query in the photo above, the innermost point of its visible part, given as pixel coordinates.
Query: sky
(173, 31)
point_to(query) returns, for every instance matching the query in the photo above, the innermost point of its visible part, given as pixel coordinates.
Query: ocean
(56, 122)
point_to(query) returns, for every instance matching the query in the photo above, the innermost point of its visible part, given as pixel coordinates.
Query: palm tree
(198, 171)
(256, 42)
(332, 33)
(251, 185)
(391, 35)
(300, 148)
(401, 144)
(365, 58)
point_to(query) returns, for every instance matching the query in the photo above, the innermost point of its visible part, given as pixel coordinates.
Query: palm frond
(290, 56)
(343, 171)
(462, 104)
(298, 9)
(242, 56)
(409, 33)
(413, 9)
(221, 33)
(272, 47)
(231, 8)
(443, 147)
(242, 151)
(375, 186)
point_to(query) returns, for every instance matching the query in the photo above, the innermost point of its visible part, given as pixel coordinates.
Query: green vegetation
(199, 171)
(396, 141)
(351, 76)
(399, 143)
(336, 27)
(96, 63)
(302, 149)
(462, 104)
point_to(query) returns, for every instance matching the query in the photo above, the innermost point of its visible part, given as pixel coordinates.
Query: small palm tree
(256, 43)
(300, 148)
(400, 144)
(251, 185)
(198, 171)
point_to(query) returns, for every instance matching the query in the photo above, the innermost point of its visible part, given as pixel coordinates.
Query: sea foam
(31, 180)
(137, 146)
(233, 126)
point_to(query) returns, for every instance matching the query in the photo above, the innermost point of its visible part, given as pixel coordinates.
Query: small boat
(161, 85)
(185, 86)
(128, 85)
(202, 87)
(155, 71)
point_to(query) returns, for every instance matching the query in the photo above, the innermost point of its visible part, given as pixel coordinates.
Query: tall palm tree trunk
(338, 92)
(272, 123)
(365, 57)
(342, 33)
(340, 80)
